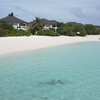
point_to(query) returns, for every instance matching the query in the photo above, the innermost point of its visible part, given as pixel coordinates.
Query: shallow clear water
(69, 72)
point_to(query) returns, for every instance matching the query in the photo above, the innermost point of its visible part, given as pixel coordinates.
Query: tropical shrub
(7, 29)
(71, 33)
(36, 26)
(90, 29)
(80, 28)
(5, 25)
(47, 33)
(4, 32)
(19, 33)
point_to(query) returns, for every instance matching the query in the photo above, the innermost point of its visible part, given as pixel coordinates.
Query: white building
(47, 24)
(48, 27)
(16, 22)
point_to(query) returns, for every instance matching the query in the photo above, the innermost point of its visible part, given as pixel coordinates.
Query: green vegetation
(74, 29)
(47, 33)
(71, 29)
(60, 24)
(7, 29)
(66, 30)
(79, 28)
(36, 28)
(97, 32)
(15, 32)
(5, 25)
(90, 29)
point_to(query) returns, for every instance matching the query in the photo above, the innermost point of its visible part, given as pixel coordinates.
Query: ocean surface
(68, 72)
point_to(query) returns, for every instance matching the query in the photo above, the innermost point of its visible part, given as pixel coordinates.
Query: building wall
(47, 27)
(18, 26)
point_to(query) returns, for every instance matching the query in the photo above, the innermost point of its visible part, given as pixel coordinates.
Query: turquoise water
(68, 72)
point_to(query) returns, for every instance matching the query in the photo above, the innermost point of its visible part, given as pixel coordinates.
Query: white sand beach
(16, 44)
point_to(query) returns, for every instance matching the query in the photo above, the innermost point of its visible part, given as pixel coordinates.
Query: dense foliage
(5, 25)
(7, 29)
(47, 33)
(92, 30)
(79, 28)
(74, 29)
(36, 28)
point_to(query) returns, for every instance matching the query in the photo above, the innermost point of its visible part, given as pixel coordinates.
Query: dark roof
(98, 27)
(73, 23)
(13, 20)
(46, 22)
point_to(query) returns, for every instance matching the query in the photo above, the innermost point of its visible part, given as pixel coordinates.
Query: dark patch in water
(43, 98)
(39, 97)
(53, 82)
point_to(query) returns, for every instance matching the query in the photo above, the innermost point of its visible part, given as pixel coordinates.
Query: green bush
(62, 30)
(71, 33)
(83, 32)
(60, 24)
(90, 29)
(80, 28)
(47, 33)
(19, 33)
(97, 32)
(24, 33)
(7, 29)
(66, 30)
(5, 25)
(14, 32)
(4, 32)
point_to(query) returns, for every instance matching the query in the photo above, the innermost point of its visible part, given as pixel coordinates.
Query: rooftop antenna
(11, 14)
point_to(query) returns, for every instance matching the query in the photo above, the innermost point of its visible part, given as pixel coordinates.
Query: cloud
(84, 11)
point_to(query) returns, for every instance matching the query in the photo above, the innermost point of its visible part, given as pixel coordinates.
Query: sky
(82, 11)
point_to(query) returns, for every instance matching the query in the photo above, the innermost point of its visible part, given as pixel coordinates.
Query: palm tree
(36, 26)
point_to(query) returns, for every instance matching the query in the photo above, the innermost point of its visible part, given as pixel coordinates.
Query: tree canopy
(7, 29)
(36, 26)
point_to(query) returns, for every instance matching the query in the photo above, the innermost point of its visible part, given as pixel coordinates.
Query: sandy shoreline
(15, 44)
